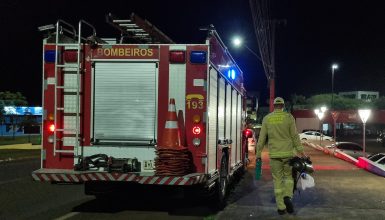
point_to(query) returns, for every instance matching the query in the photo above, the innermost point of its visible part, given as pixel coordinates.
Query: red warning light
(248, 133)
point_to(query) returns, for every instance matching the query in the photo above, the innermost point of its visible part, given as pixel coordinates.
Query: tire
(222, 185)
(246, 162)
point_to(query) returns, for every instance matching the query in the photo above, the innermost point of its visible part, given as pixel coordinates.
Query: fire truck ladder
(138, 30)
(70, 88)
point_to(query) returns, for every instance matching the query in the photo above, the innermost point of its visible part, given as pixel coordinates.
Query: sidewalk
(342, 191)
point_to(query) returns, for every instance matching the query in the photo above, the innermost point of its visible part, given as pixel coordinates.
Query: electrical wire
(265, 32)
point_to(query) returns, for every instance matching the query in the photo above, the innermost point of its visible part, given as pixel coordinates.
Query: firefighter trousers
(283, 180)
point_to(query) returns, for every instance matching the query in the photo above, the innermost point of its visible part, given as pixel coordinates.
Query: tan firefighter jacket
(280, 134)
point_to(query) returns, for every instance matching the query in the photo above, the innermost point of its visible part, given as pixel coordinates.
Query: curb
(27, 146)
(10, 159)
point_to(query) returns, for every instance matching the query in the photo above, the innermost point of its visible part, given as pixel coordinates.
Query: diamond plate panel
(70, 81)
(69, 141)
(69, 123)
(70, 104)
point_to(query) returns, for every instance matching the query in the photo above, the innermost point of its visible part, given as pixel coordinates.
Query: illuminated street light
(323, 109)
(238, 42)
(320, 112)
(364, 115)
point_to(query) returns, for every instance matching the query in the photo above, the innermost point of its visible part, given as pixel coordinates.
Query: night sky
(316, 34)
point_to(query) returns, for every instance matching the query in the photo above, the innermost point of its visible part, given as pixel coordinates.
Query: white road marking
(67, 216)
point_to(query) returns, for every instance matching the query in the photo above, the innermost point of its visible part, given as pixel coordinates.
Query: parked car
(378, 159)
(314, 135)
(350, 148)
(381, 138)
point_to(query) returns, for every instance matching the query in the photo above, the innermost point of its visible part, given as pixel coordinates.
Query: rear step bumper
(70, 176)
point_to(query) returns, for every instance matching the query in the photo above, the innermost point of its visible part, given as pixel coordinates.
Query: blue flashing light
(231, 74)
(49, 56)
(198, 57)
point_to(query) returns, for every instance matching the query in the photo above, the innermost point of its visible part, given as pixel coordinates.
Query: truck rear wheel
(222, 184)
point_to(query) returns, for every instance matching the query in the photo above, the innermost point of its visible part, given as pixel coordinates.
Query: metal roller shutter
(212, 120)
(125, 101)
(239, 126)
(221, 109)
(234, 122)
(228, 111)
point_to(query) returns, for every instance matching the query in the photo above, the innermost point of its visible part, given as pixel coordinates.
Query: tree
(340, 102)
(12, 99)
(379, 103)
(296, 101)
(16, 99)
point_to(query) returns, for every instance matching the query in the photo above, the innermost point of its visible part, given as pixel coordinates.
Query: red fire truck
(106, 102)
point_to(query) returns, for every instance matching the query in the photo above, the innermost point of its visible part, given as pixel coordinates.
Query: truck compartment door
(125, 100)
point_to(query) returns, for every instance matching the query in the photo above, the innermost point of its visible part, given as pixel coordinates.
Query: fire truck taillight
(51, 127)
(198, 57)
(196, 130)
(177, 56)
(51, 117)
(196, 118)
(247, 133)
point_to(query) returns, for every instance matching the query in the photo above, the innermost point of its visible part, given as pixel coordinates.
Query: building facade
(363, 95)
(20, 120)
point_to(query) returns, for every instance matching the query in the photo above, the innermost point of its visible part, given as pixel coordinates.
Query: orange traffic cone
(171, 135)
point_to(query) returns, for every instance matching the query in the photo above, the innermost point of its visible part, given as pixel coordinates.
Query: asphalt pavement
(342, 191)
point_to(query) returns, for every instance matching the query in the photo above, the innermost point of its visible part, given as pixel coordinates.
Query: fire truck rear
(140, 109)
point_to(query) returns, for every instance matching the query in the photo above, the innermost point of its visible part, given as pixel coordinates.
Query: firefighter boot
(289, 204)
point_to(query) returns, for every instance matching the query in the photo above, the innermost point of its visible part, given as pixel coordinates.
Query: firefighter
(280, 134)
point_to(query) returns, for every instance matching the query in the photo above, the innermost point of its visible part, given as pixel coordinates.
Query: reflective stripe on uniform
(281, 154)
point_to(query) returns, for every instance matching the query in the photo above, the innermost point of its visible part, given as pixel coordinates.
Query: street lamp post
(364, 115)
(334, 113)
(320, 112)
(334, 67)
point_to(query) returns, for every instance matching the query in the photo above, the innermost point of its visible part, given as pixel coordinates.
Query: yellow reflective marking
(276, 119)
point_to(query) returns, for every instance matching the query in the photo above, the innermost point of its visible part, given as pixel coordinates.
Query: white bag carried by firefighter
(306, 181)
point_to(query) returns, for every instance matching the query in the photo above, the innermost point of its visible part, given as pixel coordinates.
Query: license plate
(149, 164)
